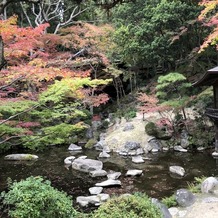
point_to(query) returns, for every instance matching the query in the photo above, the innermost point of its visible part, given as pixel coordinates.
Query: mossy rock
(153, 130)
(90, 143)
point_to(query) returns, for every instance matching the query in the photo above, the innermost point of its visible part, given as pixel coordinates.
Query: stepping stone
(137, 159)
(21, 157)
(134, 172)
(95, 190)
(109, 182)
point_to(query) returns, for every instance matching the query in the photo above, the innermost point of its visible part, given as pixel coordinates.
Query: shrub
(36, 198)
(195, 187)
(170, 201)
(90, 143)
(133, 206)
(151, 129)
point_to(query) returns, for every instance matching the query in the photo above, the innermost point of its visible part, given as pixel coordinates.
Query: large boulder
(209, 184)
(131, 145)
(87, 165)
(153, 145)
(184, 198)
(21, 157)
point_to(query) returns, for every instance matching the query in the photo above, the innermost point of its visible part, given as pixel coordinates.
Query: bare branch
(22, 112)
(4, 3)
(27, 17)
(5, 86)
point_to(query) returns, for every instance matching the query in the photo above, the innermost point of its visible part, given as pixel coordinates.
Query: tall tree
(146, 28)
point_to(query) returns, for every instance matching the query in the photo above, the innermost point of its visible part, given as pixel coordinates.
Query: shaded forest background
(62, 61)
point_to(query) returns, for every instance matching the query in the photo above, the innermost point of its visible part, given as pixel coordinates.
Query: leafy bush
(170, 201)
(53, 135)
(195, 187)
(151, 129)
(36, 198)
(90, 143)
(133, 206)
(130, 114)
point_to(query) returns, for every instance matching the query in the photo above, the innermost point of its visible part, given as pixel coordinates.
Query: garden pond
(156, 179)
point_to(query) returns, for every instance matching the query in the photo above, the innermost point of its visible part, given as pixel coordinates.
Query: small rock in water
(134, 172)
(177, 170)
(215, 154)
(137, 159)
(74, 147)
(69, 160)
(180, 149)
(21, 157)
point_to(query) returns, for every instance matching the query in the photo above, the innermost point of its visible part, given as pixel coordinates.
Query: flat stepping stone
(87, 165)
(95, 190)
(15, 157)
(114, 175)
(98, 173)
(109, 182)
(134, 172)
(137, 159)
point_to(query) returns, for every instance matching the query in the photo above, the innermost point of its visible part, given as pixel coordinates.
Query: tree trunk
(2, 59)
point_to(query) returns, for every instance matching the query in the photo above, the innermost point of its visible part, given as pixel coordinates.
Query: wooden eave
(209, 78)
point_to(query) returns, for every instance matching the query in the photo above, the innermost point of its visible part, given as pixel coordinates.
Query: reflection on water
(156, 180)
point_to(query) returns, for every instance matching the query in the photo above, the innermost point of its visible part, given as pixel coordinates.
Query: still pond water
(156, 180)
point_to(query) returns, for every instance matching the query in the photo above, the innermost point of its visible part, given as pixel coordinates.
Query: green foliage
(170, 201)
(129, 114)
(53, 135)
(151, 129)
(11, 108)
(133, 206)
(195, 187)
(90, 143)
(173, 88)
(36, 198)
(145, 32)
(203, 100)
